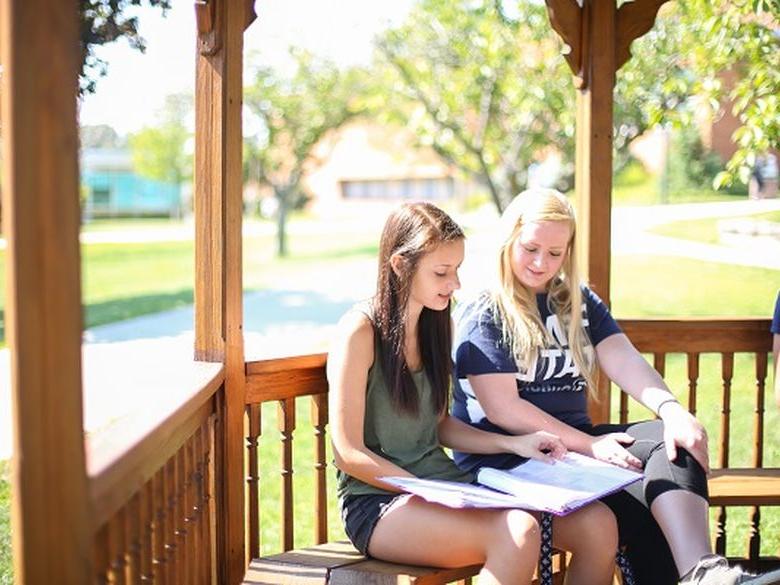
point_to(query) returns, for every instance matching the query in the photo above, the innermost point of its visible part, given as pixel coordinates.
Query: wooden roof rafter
(573, 24)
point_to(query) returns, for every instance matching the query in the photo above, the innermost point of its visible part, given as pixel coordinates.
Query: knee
(520, 529)
(597, 527)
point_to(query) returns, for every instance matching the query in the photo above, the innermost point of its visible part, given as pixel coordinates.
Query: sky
(134, 89)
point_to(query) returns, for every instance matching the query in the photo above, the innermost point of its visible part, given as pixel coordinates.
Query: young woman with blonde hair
(526, 356)
(389, 373)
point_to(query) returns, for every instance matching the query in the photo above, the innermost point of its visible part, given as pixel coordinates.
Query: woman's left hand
(682, 429)
(540, 445)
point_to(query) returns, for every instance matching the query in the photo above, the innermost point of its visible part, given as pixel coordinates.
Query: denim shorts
(360, 513)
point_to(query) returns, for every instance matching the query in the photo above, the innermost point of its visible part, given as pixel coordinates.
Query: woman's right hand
(540, 445)
(609, 448)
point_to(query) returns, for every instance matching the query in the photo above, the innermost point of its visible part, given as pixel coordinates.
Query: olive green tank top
(409, 441)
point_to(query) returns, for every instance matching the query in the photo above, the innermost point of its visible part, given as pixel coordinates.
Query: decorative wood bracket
(633, 20)
(570, 21)
(209, 38)
(251, 15)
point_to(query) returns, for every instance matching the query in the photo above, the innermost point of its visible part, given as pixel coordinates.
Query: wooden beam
(566, 20)
(218, 286)
(633, 20)
(39, 50)
(593, 173)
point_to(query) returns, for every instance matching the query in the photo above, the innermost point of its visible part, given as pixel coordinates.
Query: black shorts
(360, 513)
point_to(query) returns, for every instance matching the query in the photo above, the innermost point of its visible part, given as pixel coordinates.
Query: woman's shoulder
(356, 323)
(353, 340)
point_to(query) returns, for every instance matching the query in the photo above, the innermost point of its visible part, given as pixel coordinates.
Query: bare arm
(624, 365)
(349, 360)
(458, 435)
(497, 394)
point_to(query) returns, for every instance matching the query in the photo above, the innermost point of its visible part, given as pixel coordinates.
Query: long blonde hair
(514, 304)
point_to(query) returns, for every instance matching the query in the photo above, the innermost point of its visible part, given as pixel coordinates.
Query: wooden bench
(284, 380)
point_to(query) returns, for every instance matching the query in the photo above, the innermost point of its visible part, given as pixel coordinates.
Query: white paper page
(560, 485)
(457, 495)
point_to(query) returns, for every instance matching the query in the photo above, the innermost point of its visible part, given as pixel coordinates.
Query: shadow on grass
(128, 307)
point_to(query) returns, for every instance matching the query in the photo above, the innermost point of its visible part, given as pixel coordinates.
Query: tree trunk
(282, 195)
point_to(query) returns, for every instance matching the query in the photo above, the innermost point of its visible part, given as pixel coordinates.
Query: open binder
(559, 488)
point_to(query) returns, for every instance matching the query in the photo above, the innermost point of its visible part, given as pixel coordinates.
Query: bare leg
(591, 535)
(421, 533)
(684, 519)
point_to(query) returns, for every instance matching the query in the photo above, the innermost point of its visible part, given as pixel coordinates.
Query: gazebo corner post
(218, 257)
(599, 36)
(52, 534)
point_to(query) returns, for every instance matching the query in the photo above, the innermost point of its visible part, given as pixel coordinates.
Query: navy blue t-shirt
(776, 319)
(554, 384)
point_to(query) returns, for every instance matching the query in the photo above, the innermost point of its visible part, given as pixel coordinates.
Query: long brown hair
(411, 231)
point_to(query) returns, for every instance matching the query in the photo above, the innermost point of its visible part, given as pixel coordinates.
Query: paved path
(294, 318)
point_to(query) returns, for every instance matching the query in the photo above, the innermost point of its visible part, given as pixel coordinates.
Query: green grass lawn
(706, 230)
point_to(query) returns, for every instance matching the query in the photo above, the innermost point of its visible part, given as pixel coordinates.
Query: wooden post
(599, 36)
(593, 174)
(40, 52)
(218, 282)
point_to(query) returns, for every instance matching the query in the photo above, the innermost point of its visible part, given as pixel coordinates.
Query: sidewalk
(294, 319)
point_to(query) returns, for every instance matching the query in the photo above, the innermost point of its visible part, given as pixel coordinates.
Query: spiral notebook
(559, 488)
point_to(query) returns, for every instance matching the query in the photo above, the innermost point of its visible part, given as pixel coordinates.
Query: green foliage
(682, 66)
(691, 166)
(486, 88)
(294, 113)
(103, 22)
(633, 174)
(161, 152)
(6, 560)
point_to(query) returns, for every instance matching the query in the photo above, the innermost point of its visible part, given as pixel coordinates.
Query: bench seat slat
(745, 487)
(374, 572)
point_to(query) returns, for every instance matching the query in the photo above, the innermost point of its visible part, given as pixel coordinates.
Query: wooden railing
(750, 341)
(284, 380)
(152, 489)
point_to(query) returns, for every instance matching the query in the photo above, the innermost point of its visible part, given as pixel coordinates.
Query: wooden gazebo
(174, 500)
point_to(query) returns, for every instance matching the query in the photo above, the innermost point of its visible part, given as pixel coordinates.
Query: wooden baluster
(209, 514)
(191, 508)
(116, 546)
(252, 485)
(754, 538)
(197, 507)
(181, 516)
(159, 502)
(170, 528)
(659, 363)
(693, 376)
(319, 418)
(147, 532)
(102, 555)
(286, 421)
(133, 538)
(727, 369)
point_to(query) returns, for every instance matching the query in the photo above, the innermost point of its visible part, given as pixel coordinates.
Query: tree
(486, 88)
(102, 22)
(99, 136)
(161, 152)
(294, 113)
(679, 66)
